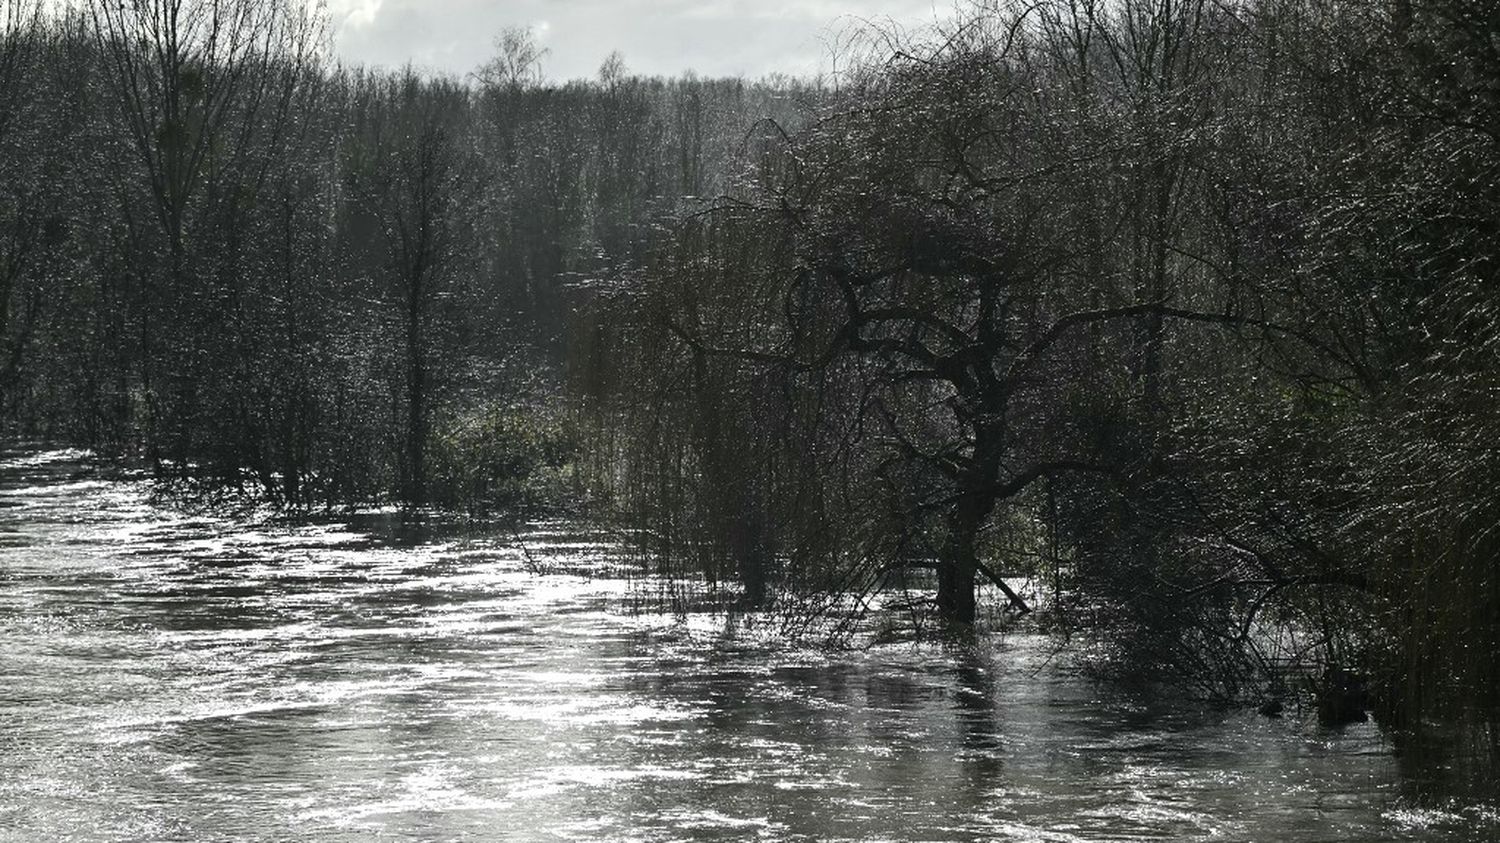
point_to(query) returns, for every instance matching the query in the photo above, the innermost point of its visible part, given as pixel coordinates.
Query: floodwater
(168, 676)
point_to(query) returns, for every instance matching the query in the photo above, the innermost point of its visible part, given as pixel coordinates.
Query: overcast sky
(712, 37)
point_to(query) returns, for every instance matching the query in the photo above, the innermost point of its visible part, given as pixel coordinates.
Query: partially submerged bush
(511, 459)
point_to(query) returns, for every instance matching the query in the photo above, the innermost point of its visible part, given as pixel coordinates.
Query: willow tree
(935, 266)
(931, 251)
(903, 244)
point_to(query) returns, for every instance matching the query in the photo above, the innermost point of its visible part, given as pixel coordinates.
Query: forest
(1183, 311)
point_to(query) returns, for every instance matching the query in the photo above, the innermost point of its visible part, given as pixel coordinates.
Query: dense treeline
(264, 271)
(1185, 309)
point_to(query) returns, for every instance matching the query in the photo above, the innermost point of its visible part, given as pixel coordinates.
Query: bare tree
(411, 171)
(517, 62)
(195, 81)
(21, 226)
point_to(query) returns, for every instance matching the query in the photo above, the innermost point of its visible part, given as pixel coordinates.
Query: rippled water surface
(165, 676)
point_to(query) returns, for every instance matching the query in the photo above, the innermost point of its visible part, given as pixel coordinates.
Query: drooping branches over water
(1183, 309)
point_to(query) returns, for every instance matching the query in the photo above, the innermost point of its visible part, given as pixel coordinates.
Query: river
(166, 675)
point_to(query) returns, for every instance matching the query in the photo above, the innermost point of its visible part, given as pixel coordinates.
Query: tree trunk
(955, 596)
(416, 402)
(960, 554)
(959, 562)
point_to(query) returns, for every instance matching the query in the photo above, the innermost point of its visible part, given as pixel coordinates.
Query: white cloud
(712, 37)
(355, 13)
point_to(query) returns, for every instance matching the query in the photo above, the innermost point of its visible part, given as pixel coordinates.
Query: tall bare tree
(22, 37)
(195, 82)
(411, 171)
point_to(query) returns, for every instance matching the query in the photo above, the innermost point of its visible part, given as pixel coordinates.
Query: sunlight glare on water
(175, 676)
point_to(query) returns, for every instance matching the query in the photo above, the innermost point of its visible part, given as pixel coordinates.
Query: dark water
(171, 677)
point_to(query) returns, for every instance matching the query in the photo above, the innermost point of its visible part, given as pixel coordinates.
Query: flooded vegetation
(168, 676)
(1058, 420)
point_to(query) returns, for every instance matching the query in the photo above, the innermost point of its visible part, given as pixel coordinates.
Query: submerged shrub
(505, 459)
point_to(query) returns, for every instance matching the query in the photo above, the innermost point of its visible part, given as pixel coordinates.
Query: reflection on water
(178, 677)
